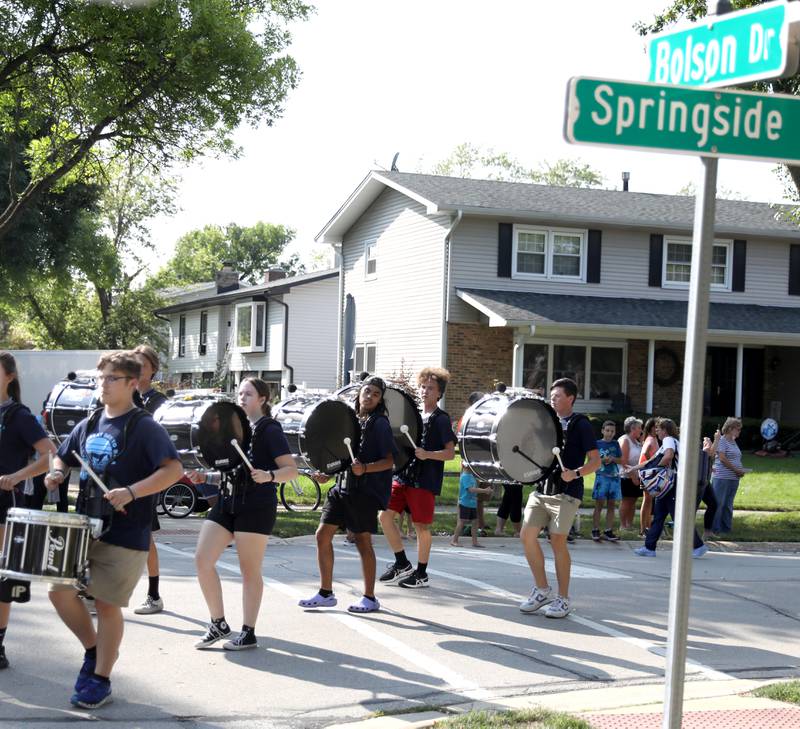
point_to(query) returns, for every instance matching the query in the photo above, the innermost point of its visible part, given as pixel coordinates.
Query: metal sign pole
(689, 449)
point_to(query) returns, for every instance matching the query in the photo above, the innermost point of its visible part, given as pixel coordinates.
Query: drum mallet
(557, 454)
(235, 444)
(95, 478)
(404, 431)
(347, 442)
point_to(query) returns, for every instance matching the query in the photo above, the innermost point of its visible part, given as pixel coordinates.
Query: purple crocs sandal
(365, 605)
(318, 601)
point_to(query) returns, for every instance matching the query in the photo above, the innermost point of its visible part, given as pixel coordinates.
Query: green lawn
(524, 719)
(789, 692)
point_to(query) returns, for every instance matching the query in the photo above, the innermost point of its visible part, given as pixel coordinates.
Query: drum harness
(553, 485)
(410, 475)
(239, 480)
(347, 479)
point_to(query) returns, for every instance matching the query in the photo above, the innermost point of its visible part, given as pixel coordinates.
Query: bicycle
(300, 494)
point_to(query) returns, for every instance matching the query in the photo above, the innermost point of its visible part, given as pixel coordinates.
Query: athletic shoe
(644, 552)
(609, 534)
(150, 606)
(3, 659)
(241, 642)
(414, 581)
(86, 672)
(93, 694)
(596, 535)
(559, 608)
(539, 597)
(213, 634)
(699, 552)
(570, 538)
(318, 601)
(394, 573)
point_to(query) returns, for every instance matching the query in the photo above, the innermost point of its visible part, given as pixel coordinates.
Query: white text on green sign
(684, 120)
(757, 43)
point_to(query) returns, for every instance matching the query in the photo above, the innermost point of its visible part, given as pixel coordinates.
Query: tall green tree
(167, 80)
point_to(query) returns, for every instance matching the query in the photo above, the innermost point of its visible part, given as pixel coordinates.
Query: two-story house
(525, 283)
(283, 330)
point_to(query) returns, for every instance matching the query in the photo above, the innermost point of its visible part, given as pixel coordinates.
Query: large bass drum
(402, 409)
(508, 437)
(316, 427)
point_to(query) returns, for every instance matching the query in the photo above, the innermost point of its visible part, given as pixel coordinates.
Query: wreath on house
(666, 367)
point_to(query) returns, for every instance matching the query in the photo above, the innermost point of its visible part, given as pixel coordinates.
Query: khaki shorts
(113, 573)
(555, 512)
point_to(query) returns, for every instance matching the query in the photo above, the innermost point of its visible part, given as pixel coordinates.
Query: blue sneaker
(94, 693)
(644, 552)
(699, 552)
(87, 669)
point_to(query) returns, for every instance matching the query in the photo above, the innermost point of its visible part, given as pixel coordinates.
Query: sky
(419, 77)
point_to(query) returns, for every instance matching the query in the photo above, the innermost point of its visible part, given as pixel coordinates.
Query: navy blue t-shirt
(437, 432)
(266, 444)
(152, 400)
(579, 440)
(20, 434)
(377, 442)
(147, 446)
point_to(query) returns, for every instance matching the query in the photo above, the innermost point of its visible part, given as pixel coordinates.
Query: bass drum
(316, 426)
(402, 409)
(509, 438)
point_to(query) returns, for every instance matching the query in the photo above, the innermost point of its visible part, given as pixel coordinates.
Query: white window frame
(370, 256)
(549, 234)
(364, 347)
(587, 345)
(257, 309)
(727, 244)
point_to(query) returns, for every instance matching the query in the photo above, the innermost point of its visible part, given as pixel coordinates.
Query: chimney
(226, 279)
(625, 177)
(273, 274)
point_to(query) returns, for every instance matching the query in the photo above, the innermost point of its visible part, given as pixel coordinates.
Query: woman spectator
(727, 472)
(631, 446)
(649, 448)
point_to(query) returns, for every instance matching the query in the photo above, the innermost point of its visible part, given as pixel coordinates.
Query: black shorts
(355, 511)
(467, 513)
(630, 490)
(156, 525)
(257, 521)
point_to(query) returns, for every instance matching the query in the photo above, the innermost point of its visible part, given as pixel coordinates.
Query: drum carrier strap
(553, 485)
(239, 482)
(410, 474)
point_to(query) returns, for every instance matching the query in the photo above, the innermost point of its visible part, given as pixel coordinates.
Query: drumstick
(404, 431)
(349, 449)
(95, 477)
(50, 461)
(557, 454)
(235, 444)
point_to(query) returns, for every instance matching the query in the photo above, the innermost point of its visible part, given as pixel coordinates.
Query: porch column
(516, 362)
(651, 360)
(739, 379)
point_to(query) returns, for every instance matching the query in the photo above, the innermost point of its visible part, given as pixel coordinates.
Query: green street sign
(752, 44)
(653, 117)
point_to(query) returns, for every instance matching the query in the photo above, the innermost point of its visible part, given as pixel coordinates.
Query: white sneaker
(539, 596)
(559, 608)
(150, 606)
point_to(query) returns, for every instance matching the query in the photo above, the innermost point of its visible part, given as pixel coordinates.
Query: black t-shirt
(377, 442)
(152, 400)
(579, 439)
(437, 432)
(146, 446)
(267, 443)
(20, 432)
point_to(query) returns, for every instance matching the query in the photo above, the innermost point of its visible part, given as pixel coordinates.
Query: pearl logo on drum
(55, 544)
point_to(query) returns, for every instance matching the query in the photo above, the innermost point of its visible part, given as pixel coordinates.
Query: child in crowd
(468, 491)
(607, 490)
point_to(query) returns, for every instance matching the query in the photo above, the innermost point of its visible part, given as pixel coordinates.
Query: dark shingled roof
(525, 306)
(600, 206)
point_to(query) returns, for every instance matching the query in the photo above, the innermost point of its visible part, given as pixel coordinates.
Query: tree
(167, 80)
(469, 160)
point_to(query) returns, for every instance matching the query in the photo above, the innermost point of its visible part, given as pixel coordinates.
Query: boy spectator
(468, 491)
(607, 490)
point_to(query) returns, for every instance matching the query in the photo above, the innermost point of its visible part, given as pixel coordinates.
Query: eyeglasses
(111, 379)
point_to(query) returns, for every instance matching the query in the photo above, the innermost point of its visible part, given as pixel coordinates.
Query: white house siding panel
(312, 332)
(275, 317)
(400, 310)
(193, 361)
(624, 269)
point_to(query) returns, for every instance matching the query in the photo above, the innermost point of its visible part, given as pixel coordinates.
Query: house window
(678, 264)
(250, 326)
(371, 266)
(549, 254)
(203, 332)
(363, 359)
(182, 336)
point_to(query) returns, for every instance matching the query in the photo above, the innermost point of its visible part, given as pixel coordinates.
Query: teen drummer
(20, 435)
(247, 516)
(354, 501)
(134, 457)
(416, 490)
(152, 400)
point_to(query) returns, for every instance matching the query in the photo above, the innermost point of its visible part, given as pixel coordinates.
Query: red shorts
(419, 502)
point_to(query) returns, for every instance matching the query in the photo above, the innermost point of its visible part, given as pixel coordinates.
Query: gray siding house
(524, 283)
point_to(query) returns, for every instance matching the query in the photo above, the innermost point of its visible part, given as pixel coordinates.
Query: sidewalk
(707, 705)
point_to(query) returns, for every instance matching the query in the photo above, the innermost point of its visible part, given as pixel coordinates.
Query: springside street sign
(752, 44)
(711, 123)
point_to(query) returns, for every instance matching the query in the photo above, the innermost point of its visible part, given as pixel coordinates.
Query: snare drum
(316, 427)
(46, 546)
(509, 438)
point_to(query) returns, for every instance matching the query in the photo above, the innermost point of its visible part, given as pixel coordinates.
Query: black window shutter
(739, 259)
(656, 259)
(593, 255)
(794, 270)
(505, 235)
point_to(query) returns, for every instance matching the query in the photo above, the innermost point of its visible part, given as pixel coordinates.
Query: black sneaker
(3, 659)
(213, 634)
(596, 535)
(414, 581)
(243, 641)
(610, 536)
(395, 574)
(570, 538)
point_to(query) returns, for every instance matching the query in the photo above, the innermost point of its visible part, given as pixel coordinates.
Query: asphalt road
(462, 639)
